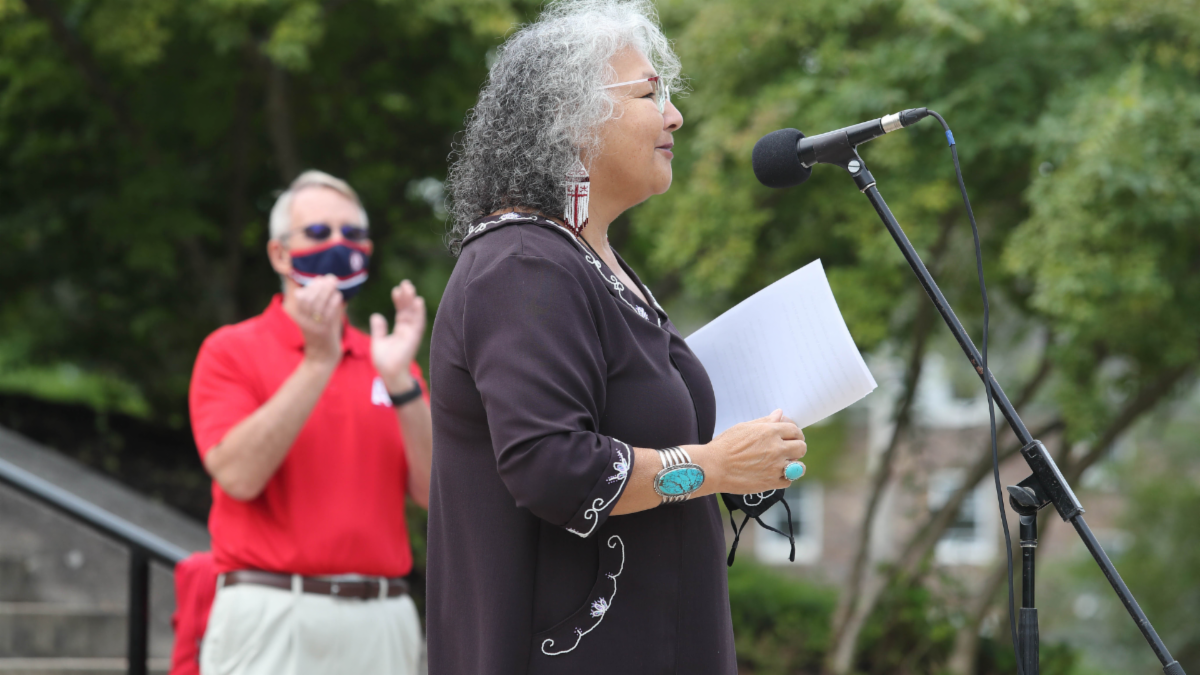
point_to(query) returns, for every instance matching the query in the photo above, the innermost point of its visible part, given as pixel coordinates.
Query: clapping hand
(392, 352)
(318, 314)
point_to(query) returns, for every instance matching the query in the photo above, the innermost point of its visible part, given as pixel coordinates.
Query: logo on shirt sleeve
(379, 393)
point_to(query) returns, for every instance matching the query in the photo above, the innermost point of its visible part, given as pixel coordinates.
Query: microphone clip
(835, 148)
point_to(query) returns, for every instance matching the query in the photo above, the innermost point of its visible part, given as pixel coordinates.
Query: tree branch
(1146, 398)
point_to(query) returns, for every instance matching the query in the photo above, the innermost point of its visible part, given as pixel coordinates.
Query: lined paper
(786, 347)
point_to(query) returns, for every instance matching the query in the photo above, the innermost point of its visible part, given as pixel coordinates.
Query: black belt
(363, 589)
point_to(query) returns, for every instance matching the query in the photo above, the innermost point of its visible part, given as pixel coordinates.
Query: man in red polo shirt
(313, 433)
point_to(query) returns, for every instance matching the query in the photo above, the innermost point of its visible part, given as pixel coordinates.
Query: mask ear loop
(789, 535)
(737, 535)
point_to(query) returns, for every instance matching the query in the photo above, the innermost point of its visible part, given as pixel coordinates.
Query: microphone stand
(1046, 484)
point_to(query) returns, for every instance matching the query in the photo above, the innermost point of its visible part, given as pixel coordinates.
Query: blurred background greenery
(142, 143)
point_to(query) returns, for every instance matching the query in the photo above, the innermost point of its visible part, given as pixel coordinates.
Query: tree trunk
(966, 643)
(863, 589)
(228, 307)
(279, 122)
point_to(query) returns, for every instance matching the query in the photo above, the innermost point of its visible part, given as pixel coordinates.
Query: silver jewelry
(679, 477)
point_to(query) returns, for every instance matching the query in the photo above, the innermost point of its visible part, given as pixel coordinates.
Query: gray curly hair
(542, 106)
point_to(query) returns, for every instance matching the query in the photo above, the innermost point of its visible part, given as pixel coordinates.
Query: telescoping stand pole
(1046, 485)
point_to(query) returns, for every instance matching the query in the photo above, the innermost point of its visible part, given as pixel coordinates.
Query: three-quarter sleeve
(533, 348)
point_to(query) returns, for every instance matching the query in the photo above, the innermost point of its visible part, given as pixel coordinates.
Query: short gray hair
(542, 106)
(281, 213)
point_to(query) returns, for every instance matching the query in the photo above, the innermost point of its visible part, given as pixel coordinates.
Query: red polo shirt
(336, 503)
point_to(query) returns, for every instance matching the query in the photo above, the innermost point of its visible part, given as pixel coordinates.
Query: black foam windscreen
(776, 163)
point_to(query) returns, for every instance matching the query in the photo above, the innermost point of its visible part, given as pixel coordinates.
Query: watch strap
(408, 396)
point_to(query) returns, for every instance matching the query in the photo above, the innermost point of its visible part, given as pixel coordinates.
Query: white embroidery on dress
(599, 504)
(599, 607)
(622, 467)
(476, 229)
(618, 287)
(758, 497)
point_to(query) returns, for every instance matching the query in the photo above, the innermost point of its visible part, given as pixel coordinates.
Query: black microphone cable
(987, 385)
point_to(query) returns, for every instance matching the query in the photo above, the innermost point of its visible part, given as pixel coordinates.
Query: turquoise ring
(794, 470)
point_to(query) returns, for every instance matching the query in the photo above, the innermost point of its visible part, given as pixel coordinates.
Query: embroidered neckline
(611, 279)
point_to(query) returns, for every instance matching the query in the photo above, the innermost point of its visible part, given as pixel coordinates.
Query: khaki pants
(258, 630)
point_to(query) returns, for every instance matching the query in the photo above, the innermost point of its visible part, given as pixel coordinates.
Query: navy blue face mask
(345, 260)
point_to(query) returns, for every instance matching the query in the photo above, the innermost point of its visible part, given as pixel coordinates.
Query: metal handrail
(143, 547)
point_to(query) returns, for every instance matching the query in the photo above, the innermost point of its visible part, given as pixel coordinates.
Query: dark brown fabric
(545, 371)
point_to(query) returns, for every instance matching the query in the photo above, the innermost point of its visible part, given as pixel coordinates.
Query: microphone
(785, 158)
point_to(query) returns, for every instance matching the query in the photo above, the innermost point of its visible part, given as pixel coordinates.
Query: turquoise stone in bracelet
(794, 470)
(679, 477)
(680, 481)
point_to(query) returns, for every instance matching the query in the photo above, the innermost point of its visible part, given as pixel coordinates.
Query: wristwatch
(408, 396)
(679, 477)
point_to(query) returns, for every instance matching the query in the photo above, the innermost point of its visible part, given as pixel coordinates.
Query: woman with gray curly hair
(573, 449)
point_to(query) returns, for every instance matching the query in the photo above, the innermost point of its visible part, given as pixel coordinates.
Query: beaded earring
(578, 187)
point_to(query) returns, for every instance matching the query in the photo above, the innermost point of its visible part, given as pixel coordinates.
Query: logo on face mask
(346, 261)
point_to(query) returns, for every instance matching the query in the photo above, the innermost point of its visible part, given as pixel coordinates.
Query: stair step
(38, 629)
(74, 666)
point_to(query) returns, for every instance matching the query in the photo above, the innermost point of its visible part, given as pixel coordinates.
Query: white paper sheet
(787, 347)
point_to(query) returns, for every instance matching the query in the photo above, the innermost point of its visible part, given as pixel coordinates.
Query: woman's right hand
(750, 457)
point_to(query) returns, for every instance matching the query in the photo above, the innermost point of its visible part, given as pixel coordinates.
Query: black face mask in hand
(754, 506)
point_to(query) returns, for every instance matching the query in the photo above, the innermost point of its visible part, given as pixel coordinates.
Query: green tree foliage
(142, 143)
(780, 625)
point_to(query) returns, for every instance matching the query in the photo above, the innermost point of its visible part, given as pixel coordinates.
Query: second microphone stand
(1046, 484)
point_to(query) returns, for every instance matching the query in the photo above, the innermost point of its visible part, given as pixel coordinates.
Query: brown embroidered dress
(545, 371)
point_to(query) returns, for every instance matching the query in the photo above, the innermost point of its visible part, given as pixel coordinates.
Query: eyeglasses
(321, 232)
(662, 94)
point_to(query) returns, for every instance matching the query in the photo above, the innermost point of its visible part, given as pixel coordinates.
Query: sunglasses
(662, 93)
(321, 232)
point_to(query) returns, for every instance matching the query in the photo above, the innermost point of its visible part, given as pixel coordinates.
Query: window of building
(971, 537)
(806, 499)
